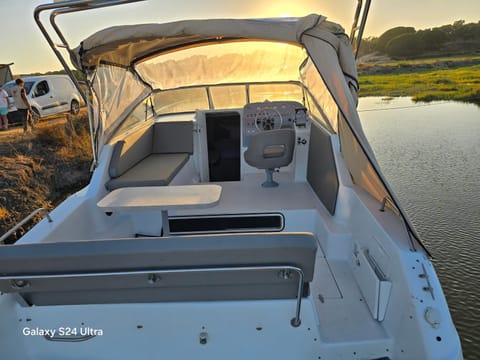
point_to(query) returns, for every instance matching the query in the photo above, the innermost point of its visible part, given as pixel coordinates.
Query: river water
(430, 154)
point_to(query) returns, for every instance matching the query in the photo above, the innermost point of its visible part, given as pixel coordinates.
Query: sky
(22, 43)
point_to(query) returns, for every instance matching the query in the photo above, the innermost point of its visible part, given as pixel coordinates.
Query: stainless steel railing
(17, 284)
(24, 221)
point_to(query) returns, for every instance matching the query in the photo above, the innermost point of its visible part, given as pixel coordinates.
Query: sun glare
(283, 9)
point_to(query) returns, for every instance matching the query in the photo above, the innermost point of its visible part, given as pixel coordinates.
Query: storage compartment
(373, 285)
(226, 223)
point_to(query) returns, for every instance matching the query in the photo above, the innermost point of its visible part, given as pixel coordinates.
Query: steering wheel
(268, 119)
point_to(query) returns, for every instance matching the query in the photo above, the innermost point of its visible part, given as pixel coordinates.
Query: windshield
(27, 85)
(8, 88)
(224, 96)
(224, 75)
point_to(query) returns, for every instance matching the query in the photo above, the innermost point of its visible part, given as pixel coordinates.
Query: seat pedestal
(269, 183)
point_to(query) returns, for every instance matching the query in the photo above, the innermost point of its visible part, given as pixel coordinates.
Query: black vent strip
(254, 222)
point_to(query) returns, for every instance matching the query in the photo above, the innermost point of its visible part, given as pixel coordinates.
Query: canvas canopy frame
(110, 57)
(123, 48)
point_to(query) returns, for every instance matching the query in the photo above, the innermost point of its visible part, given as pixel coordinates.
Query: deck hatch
(374, 286)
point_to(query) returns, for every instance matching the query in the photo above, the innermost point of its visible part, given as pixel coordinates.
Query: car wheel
(74, 107)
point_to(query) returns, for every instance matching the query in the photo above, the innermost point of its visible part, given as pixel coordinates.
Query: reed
(461, 84)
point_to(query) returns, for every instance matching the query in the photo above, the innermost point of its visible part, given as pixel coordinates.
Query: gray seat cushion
(173, 137)
(130, 151)
(151, 156)
(271, 149)
(154, 170)
(98, 269)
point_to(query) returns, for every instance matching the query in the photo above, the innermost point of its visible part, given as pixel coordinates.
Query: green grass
(433, 60)
(461, 84)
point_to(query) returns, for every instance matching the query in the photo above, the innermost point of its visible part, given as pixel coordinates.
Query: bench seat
(150, 156)
(154, 170)
(181, 268)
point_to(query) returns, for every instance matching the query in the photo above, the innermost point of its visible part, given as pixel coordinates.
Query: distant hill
(78, 75)
(407, 43)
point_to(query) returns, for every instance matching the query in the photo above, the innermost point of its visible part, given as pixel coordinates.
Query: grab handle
(68, 338)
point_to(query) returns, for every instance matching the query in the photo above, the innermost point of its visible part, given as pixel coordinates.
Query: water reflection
(430, 154)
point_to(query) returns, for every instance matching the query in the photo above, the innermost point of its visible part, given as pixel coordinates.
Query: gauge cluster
(265, 116)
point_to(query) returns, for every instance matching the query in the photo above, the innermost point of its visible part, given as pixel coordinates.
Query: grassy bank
(423, 80)
(38, 169)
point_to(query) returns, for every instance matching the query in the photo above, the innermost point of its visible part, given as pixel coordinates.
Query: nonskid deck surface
(249, 196)
(295, 202)
(343, 315)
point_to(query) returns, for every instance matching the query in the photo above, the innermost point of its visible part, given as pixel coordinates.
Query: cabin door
(223, 146)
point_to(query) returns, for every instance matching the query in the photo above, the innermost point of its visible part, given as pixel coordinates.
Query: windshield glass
(224, 63)
(181, 100)
(224, 96)
(27, 85)
(8, 88)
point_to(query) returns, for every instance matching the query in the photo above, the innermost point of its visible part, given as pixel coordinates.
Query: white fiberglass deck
(295, 200)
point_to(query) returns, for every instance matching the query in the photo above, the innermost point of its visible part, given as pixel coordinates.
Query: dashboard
(265, 116)
(223, 134)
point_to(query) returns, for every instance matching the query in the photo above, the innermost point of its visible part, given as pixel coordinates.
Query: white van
(48, 95)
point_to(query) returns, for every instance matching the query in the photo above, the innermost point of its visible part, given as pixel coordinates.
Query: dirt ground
(40, 168)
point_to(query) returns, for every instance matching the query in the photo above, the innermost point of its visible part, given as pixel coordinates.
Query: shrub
(404, 45)
(432, 39)
(388, 35)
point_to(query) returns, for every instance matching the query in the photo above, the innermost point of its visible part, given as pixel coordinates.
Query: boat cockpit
(245, 150)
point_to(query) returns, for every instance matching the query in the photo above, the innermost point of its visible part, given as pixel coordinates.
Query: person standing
(22, 104)
(4, 106)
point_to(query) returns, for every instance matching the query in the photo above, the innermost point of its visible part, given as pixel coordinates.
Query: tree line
(406, 42)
